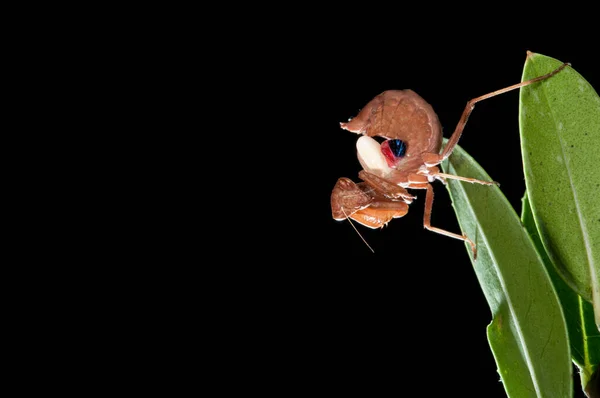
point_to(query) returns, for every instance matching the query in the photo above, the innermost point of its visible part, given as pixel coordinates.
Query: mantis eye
(393, 150)
(398, 147)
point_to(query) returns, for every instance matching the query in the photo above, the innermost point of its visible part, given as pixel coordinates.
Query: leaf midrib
(582, 225)
(586, 356)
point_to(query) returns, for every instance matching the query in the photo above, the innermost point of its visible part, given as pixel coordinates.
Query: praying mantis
(408, 158)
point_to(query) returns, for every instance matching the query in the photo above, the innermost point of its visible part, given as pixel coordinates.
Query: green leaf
(560, 141)
(592, 390)
(527, 335)
(584, 338)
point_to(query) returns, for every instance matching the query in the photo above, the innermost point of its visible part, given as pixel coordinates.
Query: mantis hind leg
(432, 159)
(427, 219)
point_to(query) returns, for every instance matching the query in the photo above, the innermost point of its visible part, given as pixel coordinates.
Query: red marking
(390, 158)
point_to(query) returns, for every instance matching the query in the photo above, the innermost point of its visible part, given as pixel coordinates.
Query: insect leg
(434, 159)
(385, 188)
(471, 180)
(427, 222)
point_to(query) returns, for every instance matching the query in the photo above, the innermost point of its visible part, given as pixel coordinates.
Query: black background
(412, 313)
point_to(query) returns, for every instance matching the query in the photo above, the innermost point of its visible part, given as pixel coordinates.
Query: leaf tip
(530, 56)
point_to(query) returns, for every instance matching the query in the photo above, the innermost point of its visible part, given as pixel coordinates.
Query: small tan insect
(408, 158)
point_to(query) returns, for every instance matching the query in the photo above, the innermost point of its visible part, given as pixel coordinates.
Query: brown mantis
(408, 158)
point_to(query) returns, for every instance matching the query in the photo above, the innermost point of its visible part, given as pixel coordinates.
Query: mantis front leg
(387, 189)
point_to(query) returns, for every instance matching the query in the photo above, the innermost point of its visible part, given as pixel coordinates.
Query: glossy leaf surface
(560, 141)
(584, 338)
(527, 335)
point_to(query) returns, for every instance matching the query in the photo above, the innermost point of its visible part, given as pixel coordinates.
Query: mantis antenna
(351, 223)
